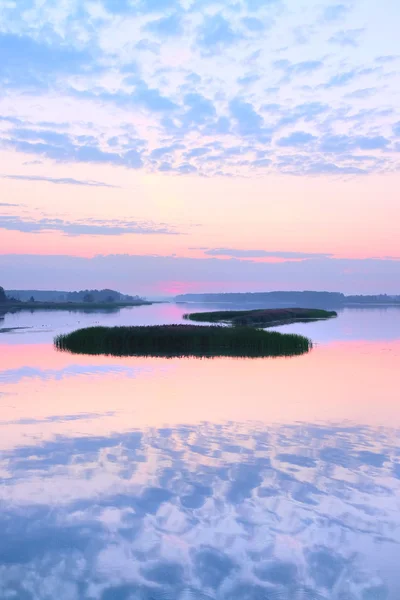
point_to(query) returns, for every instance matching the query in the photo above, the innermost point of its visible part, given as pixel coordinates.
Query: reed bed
(182, 340)
(262, 317)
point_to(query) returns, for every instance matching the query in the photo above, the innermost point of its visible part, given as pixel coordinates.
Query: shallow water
(260, 479)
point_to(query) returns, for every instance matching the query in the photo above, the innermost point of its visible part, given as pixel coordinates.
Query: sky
(168, 146)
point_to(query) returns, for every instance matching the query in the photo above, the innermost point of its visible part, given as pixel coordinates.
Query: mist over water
(148, 478)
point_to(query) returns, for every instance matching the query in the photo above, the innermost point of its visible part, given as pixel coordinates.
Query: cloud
(296, 69)
(221, 126)
(132, 159)
(118, 6)
(255, 5)
(261, 162)
(198, 113)
(248, 121)
(345, 143)
(320, 167)
(197, 152)
(30, 62)
(396, 129)
(141, 95)
(148, 46)
(151, 98)
(58, 181)
(303, 34)
(199, 109)
(377, 142)
(296, 139)
(69, 153)
(149, 6)
(308, 112)
(137, 7)
(87, 227)
(165, 167)
(8, 204)
(253, 24)
(215, 33)
(236, 253)
(187, 169)
(9, 119)
(64, 148)
(343, 163)
(249, 79)
(50, 137)
(335, 12)
(272, 108)
(341, 79)
(349, 37)
(14, 376)
(386, 59)
(363, 93)
(166, 26)
(165, 150)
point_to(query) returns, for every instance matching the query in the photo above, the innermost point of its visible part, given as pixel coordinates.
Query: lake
(186, 479)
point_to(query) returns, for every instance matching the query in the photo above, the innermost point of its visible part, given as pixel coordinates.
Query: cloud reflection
(59, 418)
(224, 512)
(16, 375)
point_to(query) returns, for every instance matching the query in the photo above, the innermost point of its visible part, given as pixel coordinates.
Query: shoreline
(15, 306)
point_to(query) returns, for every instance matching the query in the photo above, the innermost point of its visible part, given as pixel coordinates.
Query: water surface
(144, 478)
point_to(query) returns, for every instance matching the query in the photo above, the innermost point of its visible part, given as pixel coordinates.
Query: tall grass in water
(182, 340)
(262, 317)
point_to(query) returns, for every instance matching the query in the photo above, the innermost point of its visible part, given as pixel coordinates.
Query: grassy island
(182, 340)
(262, 317)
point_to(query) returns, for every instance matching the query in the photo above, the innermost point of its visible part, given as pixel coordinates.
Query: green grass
(262, 317)
(182, 340)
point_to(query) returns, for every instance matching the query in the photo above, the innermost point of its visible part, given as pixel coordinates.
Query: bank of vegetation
(81, 306)
(262, 317)
(87, 300)
(182, 340)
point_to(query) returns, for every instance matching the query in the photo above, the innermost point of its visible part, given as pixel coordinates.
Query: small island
(243, 337)
(182, 340)
(262, 317)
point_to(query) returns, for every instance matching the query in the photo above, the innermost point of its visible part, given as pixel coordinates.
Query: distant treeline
(380, 299)
(306, 299)
(87, 296)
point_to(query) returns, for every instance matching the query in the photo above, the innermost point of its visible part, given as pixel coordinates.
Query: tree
(31, 299)
(88, 298)
(3, 297)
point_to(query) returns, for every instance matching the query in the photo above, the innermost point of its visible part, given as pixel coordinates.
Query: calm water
(263, 479)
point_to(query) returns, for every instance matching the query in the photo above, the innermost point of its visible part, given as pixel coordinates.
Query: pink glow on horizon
(88, 246)
(277, 213)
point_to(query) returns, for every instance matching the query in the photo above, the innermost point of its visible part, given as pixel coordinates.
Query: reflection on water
(380, 323)
(213, 511)
(27, 372)
(144, 478)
